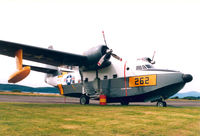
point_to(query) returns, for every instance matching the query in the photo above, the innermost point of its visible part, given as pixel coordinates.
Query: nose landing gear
(161, 104)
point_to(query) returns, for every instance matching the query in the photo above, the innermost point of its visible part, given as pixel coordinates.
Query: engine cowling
(94, 55)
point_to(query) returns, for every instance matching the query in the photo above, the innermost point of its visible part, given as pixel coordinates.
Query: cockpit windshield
(143, 67)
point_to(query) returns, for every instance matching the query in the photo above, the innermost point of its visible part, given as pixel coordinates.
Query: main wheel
(84, 100)
(161, 104)
(124, 102)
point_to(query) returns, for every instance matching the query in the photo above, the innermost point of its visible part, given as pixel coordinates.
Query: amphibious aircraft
(98, 71)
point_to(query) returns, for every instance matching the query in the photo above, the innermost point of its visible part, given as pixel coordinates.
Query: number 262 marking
(141, 80)
(147, 80)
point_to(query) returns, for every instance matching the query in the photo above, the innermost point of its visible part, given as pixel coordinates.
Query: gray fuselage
(120, 82)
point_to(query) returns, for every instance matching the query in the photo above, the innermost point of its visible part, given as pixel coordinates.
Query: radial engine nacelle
(22, 72)
(93, 56)
(98, 57)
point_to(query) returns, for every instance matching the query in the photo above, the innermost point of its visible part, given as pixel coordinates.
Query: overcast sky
(133, 29)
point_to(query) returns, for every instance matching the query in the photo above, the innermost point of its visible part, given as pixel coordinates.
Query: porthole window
(115, 76)
(86, 79)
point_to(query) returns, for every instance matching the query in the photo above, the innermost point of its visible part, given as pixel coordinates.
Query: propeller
(153, 55)
(152, 60)
(107, 55)
(149, 59)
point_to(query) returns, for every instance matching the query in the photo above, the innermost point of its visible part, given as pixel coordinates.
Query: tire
(124, 102)
(84, 100)
(161, 104)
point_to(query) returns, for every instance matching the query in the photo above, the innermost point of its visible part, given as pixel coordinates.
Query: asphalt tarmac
(69, 100)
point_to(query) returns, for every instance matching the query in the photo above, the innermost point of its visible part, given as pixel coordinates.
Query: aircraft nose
(187, 78)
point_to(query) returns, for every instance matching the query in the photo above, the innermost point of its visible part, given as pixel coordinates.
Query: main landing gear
(161, 103)
(124, 102)
(84, 99)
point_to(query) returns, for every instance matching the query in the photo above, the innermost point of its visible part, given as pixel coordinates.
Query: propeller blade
(152, 60)
(107, 57)
(116, 57)
(101, 60)
(153, 55)
(104, 38)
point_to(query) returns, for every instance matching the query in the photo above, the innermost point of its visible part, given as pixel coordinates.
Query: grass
(21, 119)
(30, 94)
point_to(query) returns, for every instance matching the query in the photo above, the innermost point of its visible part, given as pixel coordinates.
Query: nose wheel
(161, 104)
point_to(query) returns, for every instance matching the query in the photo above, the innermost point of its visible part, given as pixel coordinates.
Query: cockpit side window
(138, 68)
(143, 67)
(149, 66)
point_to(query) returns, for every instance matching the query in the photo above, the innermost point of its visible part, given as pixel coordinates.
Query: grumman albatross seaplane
(97, 72)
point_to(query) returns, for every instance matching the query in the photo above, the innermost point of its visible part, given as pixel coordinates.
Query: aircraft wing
(42, 55)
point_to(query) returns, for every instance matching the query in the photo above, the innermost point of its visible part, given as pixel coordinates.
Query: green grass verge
(21, 119)
(30, 94)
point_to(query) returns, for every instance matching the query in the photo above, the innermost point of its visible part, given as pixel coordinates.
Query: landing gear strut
(84, 99)
(161, 103)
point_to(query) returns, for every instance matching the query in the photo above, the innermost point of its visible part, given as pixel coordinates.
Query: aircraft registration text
(148, 80)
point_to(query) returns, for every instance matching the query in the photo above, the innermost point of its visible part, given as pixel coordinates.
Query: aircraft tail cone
(187, 78)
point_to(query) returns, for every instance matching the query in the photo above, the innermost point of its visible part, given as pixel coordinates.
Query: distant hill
(192, 93)
(14, 87)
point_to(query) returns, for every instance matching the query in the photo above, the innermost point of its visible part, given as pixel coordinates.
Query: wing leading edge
(42, 55)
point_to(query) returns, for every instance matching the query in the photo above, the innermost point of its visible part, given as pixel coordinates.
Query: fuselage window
(86, 79)
(115, 76)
